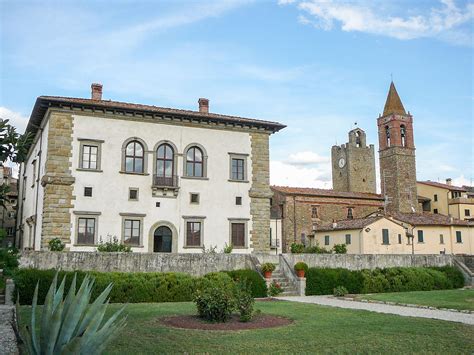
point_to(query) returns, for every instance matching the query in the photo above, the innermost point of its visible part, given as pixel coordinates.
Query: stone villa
(157, 179)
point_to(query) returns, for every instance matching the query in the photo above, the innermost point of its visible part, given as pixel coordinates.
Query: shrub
(257, 285)
(301, 266)
(320, 281)
(228, 249)
(316, 250)
(340, 291)
(340, 248)
(214, 300)
(274, 289)
(296, 248)
(113, 247)
(244, 301)
(268, 267)
(9, 260)
(56, 244)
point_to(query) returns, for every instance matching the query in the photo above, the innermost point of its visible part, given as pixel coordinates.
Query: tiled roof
(393, 103)
(357, 223)
(428, 219)
(443, 186)
(325, 192)
(44, 102)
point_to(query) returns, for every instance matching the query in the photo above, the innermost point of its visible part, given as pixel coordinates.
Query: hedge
(322, 281)
(128, 287)
(258, 285)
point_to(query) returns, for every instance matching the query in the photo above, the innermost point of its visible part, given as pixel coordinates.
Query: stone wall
(57, 180)
(369, 261)
(260, 192)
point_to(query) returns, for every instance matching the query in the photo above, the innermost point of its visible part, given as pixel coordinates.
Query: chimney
(334, 224)
(96, 91)
(203, 105)
(449, 181)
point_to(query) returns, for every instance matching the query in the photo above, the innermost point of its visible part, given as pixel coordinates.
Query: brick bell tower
(353, 164)
(397, 156)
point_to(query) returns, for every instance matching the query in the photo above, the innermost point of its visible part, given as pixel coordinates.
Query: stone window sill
(239, 248)
(233, 180)
(86, 245)
(90, 170)
(132, 173)
(192, 247)
(195, 177)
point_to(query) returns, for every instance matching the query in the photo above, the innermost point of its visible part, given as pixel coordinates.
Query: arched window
(134, 157)
(165, 161)
(357, 139)
(194, 162)
(403, 135)
(387, 134)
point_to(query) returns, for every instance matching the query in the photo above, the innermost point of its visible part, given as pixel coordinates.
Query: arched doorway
(162, 240)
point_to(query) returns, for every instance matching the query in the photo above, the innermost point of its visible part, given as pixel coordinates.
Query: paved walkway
(8, 343)
(385, 308)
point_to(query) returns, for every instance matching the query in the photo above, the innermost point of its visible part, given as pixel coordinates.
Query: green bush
(340, 248)
(257, 285)
(8, 260)
(316, 250)
(340, 291)
(296, 248)
(322, 281)
(56, 244)
(244, 301)
(275, 289)
(215, 297)
(301, 266)
(268, 267)
(113, 247)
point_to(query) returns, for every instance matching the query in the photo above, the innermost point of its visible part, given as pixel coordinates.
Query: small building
(157, 179)
(446, 199)
(400, 233)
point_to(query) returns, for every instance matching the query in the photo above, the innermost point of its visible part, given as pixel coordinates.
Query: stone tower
(353, 164)
(397, 155)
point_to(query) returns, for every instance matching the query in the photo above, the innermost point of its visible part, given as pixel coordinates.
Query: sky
(319, 67)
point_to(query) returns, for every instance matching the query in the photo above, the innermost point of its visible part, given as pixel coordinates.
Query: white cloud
(443, 22)
(306, 158)
(16, 119)
(284, 174)
(462, 181)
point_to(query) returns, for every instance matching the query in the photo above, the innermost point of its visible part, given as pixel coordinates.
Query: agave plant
(71, 325)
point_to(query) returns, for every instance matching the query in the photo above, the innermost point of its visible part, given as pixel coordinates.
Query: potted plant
(267, 270)
(301, 268)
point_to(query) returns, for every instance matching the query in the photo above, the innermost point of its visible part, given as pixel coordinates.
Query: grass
(453, 299)
(316, 329)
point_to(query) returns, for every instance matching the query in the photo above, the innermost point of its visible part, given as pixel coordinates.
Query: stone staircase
(279, 277)
(466, 265)
(469, 262)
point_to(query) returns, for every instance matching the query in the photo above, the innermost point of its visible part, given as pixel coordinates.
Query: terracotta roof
(325, 192)
(155, 112)
(357, 223)
(393, 103)
(428, 219)
(443, 186)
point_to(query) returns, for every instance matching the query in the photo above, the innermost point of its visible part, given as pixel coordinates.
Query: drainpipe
(40, 153)
(294, 218)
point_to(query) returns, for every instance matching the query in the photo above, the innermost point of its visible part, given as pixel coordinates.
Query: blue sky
(315, 66)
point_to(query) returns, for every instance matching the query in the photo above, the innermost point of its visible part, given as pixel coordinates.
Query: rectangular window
(193, 234)
(385, 236)
(33, 168)
(435, 211)
(194, 198)
(133, 194)
(420, 236)
(441, 239)
(399, 239)
(326, 240)
(238, 200)
(86, 230)
(348, 239)
(89, 156)
(458, 237)
(349, 213)
(88, 191)
(467, 212)
(238, 234)
(131, 231)
(314, 212)
(435, 197)
(238, 169)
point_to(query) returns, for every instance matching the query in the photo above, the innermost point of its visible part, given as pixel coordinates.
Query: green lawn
(316, 329)
(454, 299)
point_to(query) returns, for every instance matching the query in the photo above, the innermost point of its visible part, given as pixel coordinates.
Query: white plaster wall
(30, 201)
(276, 232)
(110, 187)
(373, 239)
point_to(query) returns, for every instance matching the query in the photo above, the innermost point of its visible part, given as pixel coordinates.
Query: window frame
(458, 237)
(133, 217)
(327, 240)
(238, 156)
(134, 157)
(315, 211)
(385, 236)
(243, 221)
(350, 212)
(88, 188)
(203, 162)
(130, 189)
(86, 215)
(165, 159)
(348, 238)
(441, 239)
(238, 200)
(198, 201)
(399, 238)
(419, 233)
(193, 219)
(91, 143)
(467, 212)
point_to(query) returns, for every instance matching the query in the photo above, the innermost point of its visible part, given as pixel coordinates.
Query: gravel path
(385, 308)
(8, 343)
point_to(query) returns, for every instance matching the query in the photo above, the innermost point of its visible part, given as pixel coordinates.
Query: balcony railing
(165, 181)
